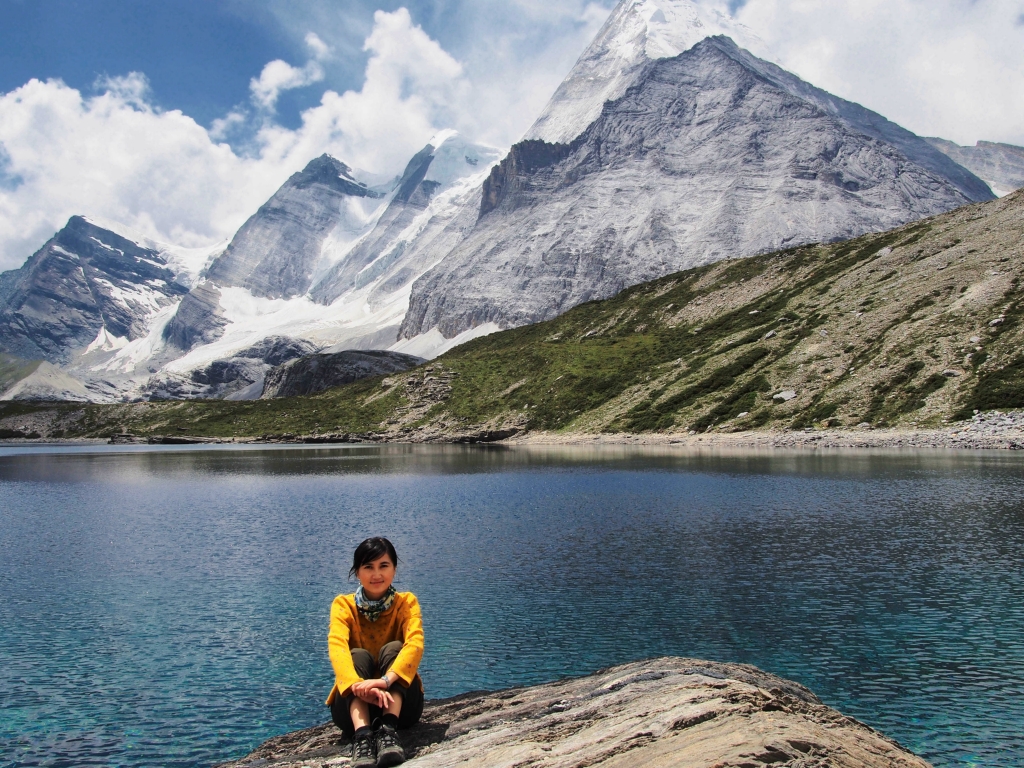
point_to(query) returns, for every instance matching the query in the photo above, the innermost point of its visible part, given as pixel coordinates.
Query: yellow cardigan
(402, 621)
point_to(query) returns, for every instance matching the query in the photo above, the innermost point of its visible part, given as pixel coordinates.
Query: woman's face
(376, 576)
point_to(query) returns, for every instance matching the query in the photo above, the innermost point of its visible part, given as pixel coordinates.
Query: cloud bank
(115, 156)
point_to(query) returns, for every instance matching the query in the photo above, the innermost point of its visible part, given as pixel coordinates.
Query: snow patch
(132, 299)
(105, 342)
(64, 252)
(137, 352)
(110, 248)
(433, 343)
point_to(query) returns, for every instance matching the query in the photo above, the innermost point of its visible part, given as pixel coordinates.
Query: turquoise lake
(170, 607)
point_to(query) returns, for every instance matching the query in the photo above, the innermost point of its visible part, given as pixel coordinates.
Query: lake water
(170, 607)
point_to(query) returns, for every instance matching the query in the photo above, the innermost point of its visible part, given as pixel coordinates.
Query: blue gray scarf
(372, 609)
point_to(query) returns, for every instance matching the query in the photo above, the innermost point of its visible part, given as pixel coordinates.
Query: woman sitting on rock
(375, 644)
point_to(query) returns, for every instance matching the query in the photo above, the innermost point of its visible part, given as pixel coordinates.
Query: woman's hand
(373, 692)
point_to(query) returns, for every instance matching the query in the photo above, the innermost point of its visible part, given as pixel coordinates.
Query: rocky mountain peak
(708, 155)
(275, 253)
(636, 32)
(329, 172)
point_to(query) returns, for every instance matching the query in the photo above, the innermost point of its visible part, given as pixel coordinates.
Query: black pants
(368, 669)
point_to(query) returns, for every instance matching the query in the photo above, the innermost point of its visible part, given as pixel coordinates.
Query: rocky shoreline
(992, 430)
(656, 713)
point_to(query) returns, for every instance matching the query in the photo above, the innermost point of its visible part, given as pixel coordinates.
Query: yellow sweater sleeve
(345, 675)
(408, 660)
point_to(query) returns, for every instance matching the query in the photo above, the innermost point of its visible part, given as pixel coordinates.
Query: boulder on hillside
(315, 373)
(661, 713)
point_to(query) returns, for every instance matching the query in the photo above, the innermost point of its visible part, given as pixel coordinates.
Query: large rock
(199, 319)
(709, 155)
(315, 373)
(662, 713)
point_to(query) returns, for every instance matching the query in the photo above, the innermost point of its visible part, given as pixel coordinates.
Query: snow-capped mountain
(358, 249)
(708, 155)
(1001, 166)
(276, 251)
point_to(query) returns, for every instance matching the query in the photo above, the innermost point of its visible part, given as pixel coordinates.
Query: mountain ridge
(918, 327)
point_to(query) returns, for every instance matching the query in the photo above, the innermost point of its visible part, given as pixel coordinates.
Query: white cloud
(952, 68)
(412, 87)
(514, 53)
(114, 156)
(280, 76)
(317, 47)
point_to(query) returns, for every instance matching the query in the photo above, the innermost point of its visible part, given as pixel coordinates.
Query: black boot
(364, 752)
(389, 750)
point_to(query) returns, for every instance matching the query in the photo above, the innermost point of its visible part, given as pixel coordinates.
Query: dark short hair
(370, 550)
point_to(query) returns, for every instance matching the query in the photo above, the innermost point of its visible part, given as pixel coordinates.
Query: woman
(375, 644)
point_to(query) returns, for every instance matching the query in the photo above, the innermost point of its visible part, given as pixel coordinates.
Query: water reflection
(132, 463)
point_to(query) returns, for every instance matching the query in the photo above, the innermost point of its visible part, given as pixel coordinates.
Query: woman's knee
(388, 653)
(363, 662)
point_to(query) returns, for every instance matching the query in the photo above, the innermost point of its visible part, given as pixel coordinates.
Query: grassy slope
(876, 329)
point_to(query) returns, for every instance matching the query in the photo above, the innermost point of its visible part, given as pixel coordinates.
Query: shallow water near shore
(169, 607)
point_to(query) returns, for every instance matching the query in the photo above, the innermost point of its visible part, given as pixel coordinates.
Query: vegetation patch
(1001, 388)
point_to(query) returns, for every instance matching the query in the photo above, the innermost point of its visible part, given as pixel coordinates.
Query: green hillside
(917, 325)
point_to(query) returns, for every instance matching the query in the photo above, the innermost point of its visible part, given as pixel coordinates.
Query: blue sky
(179, 118)
(199, 55)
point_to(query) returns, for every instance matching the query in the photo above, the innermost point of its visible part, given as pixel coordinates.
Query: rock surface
(657, 713)
(315, 373)
(239, 377)
(48, 383)
(401, 246)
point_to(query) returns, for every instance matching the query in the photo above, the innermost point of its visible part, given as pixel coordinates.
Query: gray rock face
(276, 250)
(230, 378)
(712, 154)
(315, 373)
(661, 713)
(83, 280)
(199, 319)
(1000, 165)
